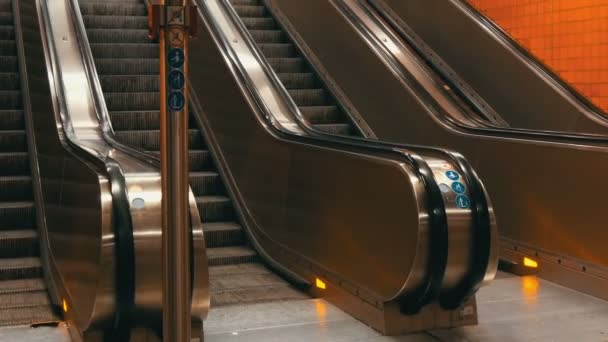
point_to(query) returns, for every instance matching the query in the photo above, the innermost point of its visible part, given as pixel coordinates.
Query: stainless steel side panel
(523, 92)
(546, 194)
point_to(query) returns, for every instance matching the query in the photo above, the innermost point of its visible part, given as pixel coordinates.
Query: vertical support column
(169, 22)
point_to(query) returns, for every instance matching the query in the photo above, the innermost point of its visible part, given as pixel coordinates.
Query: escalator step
(135, 120)
(8, 48)
(7, 32)
(113, 8)
(5, 6)
(10, 99)
(278, 50)
(150, 140)
(245, 2)
(130, 83)
(298, 80)
(287, 65)
(22, 285)
(259, 23)
(12, 141)
(14, 163)
(206, 183)
(126, 53)
(308, 97)
(223, 234)
(17, 214)
(132, 101)
(28, 315)
(6, 18)
(122, 35)
(268, 36)
(18, 243)
(231, 255)
(199, 159)
(321, 114)
(8, 64)
(15, 188)
(126, 66)
(340, 129)
(12, 120)
(215, 208)
(20, 268)
(250, 10)
(103, 22)
(22, 300)
(9, 81)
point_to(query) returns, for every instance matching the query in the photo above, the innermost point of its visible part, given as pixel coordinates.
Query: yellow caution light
(320, 284)
(64, 305)
(531, 263)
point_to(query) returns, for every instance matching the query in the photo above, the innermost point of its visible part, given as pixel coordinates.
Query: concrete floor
(510, 309)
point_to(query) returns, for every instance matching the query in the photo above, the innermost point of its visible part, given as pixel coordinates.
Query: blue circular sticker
(176, 58)
(462, 202)
(458, 187)
(176, 101)
(176, 80)
(453, 175)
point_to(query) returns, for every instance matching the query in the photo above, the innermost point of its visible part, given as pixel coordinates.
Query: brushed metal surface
(545, 193)
(522, 91)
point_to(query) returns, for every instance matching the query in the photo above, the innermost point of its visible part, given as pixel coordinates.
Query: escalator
(128, 66)
(316, 103)
(23, 293)
(535, 176)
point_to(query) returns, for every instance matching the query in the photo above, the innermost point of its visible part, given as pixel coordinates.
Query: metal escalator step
(28, 315)
(248, 283)
(22, 285)
(231, 255)
(223, 234)
(298, 80)
(287, 65)
(8, 64)
(14, 163)
(17, 215)
(113, 8)
(9, 81)
(126, 66)
(250, 10)
(268, 36)
(15, 188)
(125, 22)
(206, 183)
(7, 32)
(6, 6)
(245, 2)
(150, 140)
(126, 53)
(20, 268)
(130, 83)
(23, 300)
(281, 50)
(309, 97)
(321, 114)
(259, 23)
(12, 119)
(10, 99)
(136, 120)
(340, 129)
(215, 208)
(132, 101)
(13, 141)
(8, 48)
(120, 35)
(199, 159)
(6, 18)
(18, 243)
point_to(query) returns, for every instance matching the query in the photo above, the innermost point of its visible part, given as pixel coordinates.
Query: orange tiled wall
(569, 36)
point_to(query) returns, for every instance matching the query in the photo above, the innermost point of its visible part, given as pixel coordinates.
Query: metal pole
(170, 25)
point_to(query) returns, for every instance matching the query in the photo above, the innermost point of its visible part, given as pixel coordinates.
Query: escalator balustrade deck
(128, 66)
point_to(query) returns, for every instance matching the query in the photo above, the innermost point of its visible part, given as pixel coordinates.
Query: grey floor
(510, 309)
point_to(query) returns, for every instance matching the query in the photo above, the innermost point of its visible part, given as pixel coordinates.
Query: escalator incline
(23, 292)
(128, 66)
(304, 86)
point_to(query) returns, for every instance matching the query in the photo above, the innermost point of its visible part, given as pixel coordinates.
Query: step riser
(20, 217)
(224, 238)
(15, 190)
(216, 212)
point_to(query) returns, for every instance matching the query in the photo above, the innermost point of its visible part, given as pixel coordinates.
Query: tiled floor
(510, 309)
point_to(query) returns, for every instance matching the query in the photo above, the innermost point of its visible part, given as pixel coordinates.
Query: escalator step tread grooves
(292, 69)
(128, 64)
(23, 292)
